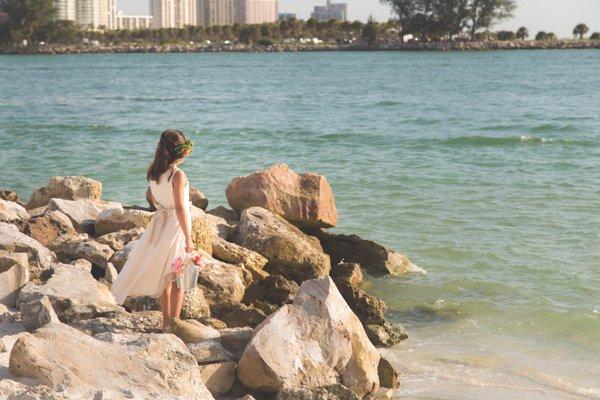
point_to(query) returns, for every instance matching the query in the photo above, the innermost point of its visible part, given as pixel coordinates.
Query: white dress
(147, 271)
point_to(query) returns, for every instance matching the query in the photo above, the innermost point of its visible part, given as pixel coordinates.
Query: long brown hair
(170, 149)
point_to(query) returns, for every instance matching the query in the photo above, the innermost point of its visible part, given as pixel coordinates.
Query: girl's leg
(165, 306)
(176, 300)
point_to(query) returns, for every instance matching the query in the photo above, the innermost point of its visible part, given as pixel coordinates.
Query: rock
(330, 345)
(110, 274)
(230, 216)
(198, 198)
(12, 212)
(374, 258)
(388, 375)
(118, 218)
(305, 200)
(348, 274)
(333, 392)
(73, 247)
(49, 226)
(218, 377)
(141, 303)
(238, 315)
(195, 305)
(290, 253)
(119, 239)
(40, 258)
(138, 366)
(2, 347)
(65, 187)
(14, 274)
(10, 195)
(123, 322)
(120, 257)
(82, 213)
(274, 289)
(37, 313)
(386, 334)
(234, 254)
(83, 264)
(74, 294)
(368, 308)
(221, 282)
(192, 332)
(209, 352)
(235, 340)
(212, 322)
(201, 230)
(219, 227)
(38, 211)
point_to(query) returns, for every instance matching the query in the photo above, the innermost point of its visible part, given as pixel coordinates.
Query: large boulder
(119, 239)
(136, 366)
(192, 331)
(238, 315)
(10, 195)
(120, 257)
(14, 274)
(291, 253)
(329, 345)
(118, 219)
(48, 226)
(37, 313)
(202, 233)
(234, 254)
(73, 247)
(386, 334)
(40, 258)
(12, 212)
(74, 294)
(218, 377)
(66, 187)
(198, 198)
(221, 282)
(209, 352)
(274, 289)
(305, 200)
(81, 212)
(195, 305)
(235, 340)
(373, 257)
(333, 392)
(122, 322)
(389, 377)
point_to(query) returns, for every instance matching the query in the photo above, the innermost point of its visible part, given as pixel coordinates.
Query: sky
(558, 16)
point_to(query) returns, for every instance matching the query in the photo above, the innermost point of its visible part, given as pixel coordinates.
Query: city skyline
(536, 15)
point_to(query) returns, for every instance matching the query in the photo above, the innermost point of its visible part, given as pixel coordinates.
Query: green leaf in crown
(185, 147)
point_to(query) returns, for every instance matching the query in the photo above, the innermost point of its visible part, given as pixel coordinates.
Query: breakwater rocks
(279, 313)
(298, 47)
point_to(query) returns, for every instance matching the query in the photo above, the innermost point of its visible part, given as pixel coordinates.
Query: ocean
(482, 167)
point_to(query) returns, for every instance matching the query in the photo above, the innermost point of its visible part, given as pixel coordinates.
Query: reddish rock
(305, 200)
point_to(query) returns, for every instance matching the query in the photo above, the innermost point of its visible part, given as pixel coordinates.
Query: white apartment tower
(257, 11)
(216, 12)
(66, 9)
(88, 13)
(185, 13)
(163, 13)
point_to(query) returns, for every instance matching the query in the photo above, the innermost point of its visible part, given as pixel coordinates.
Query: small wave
(553, 128)
(494, 141)
(387, 103)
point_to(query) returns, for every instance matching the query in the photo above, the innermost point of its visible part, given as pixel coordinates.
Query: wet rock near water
(40, 258)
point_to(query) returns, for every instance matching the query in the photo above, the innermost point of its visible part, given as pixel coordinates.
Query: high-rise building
(108, 14)
(124, 21)
(88, 13)
(185, 13)
(256, 11)
(286, 15)
(65, 9)
(216, 12)
(331, 10)
(163, 13)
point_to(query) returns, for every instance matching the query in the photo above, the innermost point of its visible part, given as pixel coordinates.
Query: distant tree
(249, 34)
(25, 18)
(550, 36)
(483, 14)
(541, 36)
(369, 32)
(595, 36)
(451, 17)
(505, 35)
(58, 31)
(581, 30)
(522, 33)
(357, 26)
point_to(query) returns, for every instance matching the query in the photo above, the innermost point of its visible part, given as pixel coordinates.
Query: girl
(148, 270)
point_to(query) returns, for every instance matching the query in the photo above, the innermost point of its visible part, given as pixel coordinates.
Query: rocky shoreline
(297, 47)
(280, 313)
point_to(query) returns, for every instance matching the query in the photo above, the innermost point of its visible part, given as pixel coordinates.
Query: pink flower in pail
(198, 260)
(177, 265)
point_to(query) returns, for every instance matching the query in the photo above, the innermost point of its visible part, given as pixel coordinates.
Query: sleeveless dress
(147, 271)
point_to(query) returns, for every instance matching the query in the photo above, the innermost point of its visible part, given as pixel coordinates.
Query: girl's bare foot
(166, 327)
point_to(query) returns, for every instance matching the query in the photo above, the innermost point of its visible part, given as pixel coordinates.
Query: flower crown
(185, 147)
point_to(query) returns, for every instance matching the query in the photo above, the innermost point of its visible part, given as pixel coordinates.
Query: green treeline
(423, 20)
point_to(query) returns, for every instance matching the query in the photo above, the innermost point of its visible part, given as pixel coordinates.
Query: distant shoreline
(296, 47)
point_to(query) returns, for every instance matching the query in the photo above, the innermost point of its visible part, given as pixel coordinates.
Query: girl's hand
(189, 245)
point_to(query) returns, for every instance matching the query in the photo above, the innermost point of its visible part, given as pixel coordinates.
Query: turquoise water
(481, 167)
